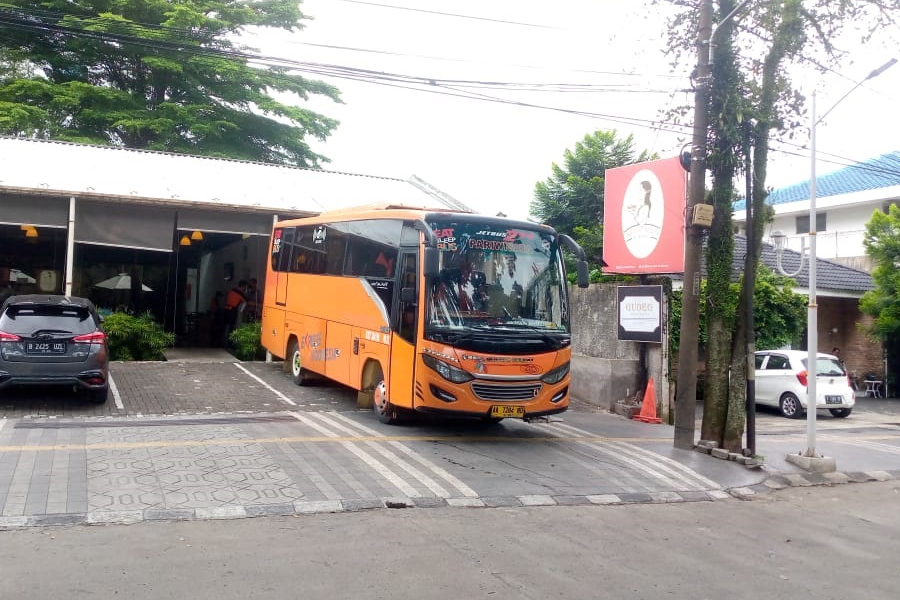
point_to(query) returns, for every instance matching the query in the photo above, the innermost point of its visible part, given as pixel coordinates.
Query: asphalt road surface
(818, 543)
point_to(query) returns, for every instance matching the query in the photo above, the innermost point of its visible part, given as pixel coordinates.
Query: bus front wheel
(298, 373)
(381, 404)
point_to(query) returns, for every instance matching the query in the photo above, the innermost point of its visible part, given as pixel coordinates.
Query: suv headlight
(556, 375)
(446, 371)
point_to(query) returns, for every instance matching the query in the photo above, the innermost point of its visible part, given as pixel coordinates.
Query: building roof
(830, 276)
(873, 174)
(67, 168)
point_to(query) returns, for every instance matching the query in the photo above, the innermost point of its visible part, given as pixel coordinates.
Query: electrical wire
(446, 14)
(308, 67)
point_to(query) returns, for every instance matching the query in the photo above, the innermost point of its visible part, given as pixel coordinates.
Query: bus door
(403, 346)
(281, 275)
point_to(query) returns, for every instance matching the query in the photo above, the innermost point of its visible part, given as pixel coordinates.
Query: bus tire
(385, 411)
(295, 360)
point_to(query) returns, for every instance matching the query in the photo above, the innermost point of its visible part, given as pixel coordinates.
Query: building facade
(159, 232)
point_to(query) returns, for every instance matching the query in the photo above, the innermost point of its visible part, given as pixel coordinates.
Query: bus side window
(408, 310)
(335, 249)
(284, 253)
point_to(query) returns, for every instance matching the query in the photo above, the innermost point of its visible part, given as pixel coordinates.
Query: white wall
(843, 234)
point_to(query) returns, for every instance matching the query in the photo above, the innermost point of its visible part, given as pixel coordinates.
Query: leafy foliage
(136, 337)
(245, 341)
(571, 199)
(752, 100)
(779, 313)
(882, 243)
(156, 75)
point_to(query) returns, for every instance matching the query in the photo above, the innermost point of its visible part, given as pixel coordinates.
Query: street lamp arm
(715, 28)
(871, 75)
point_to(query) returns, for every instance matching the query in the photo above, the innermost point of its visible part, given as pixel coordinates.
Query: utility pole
(686, 386)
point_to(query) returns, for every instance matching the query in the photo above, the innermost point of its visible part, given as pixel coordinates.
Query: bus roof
(405, 212)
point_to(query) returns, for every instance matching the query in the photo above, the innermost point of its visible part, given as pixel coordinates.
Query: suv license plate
(516, 412)
(45, 347)
(834, 399)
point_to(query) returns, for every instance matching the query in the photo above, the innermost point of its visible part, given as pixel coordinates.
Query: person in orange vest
(235, 301)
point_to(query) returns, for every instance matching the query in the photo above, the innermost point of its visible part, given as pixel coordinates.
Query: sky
(586, 66)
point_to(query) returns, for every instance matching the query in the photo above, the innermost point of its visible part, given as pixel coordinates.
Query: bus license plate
(515, 412)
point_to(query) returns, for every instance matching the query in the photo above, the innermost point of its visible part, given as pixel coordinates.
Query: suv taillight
(9, 337)
(96, 338)
(801, 377)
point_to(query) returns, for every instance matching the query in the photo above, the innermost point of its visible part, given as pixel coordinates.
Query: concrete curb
(776, 482)
(781, 481)
(341, 506)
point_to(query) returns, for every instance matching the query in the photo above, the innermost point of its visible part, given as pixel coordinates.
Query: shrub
(136, 337)
(245, 341)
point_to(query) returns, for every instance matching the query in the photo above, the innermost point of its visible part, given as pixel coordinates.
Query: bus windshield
(494, 278)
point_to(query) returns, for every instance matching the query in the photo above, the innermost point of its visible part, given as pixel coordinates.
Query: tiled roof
(830, 276)
(880, 172)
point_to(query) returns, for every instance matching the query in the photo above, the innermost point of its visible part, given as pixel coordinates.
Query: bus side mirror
(430, 262)
(408, 295)
(581, 269)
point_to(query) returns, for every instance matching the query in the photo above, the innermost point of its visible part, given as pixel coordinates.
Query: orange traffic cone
(648, 408)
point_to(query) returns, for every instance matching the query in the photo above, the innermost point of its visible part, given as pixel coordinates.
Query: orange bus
(427, 310)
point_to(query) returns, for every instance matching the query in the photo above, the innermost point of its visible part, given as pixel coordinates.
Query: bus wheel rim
(380, 397)
(295, 363)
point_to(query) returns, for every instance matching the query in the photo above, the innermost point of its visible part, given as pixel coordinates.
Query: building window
(803, 223)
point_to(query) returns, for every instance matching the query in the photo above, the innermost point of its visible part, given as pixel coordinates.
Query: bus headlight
(556, 375)
(446, 371)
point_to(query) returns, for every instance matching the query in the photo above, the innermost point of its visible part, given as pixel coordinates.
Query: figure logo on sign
(642, 219)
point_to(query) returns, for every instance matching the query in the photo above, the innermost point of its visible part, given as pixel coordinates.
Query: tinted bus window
(308, 256)
(372, 248)
(282, 240)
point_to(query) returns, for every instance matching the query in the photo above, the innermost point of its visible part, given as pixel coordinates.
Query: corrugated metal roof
(880, 172)
(104, 170)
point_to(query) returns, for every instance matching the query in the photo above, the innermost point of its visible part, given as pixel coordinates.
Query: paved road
(797, 544)
(186, 440)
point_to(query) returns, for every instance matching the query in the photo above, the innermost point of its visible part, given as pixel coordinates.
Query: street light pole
(811, 459)
(812, 319)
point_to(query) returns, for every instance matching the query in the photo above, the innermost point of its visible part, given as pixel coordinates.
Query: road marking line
(266, 385)
(398, 482)
(393, 459)
(437, 470)
(664, 466)
(115, 392)
(874, 446)
(670, 465)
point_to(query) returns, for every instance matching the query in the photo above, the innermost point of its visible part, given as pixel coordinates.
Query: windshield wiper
(518, 323)
(51, 332)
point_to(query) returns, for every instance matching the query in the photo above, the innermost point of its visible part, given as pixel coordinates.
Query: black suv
(53, 340)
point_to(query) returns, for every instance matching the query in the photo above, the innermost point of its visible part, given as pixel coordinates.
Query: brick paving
(214, 440)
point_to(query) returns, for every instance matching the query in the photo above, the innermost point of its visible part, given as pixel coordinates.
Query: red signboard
(643, 224)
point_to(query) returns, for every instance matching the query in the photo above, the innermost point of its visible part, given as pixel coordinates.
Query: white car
(781, 378)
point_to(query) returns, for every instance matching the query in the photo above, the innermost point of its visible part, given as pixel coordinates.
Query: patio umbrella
(122, 281)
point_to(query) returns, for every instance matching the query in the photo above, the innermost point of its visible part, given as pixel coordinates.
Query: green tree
(571, 199)
(882, 243)
(753, 101)
(155, 74)
(781, 314)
